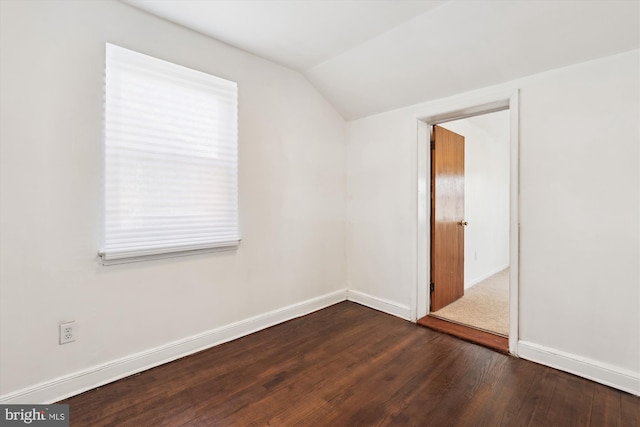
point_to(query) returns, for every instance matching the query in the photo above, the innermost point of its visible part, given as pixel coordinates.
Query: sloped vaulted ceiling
(371, 56)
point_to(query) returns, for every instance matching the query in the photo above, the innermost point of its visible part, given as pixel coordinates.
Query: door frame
(454, 109)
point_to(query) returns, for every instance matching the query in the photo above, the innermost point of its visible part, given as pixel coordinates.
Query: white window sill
(154, 254)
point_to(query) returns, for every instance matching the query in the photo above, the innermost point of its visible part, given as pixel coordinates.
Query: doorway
(470, 223)
(480, 259)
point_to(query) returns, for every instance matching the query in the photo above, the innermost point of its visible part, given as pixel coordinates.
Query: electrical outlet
(67, 332)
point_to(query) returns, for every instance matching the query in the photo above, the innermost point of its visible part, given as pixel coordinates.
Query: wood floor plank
(348, 365)
(606, 409)
(629, 409)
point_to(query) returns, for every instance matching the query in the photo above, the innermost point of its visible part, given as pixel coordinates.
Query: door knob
(463, 223)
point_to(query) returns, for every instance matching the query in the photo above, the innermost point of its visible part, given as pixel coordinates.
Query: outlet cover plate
(67, 332)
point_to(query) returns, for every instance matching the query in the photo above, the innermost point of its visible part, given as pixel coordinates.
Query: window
(171, 159)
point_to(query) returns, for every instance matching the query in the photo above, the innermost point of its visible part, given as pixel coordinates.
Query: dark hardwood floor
(348, 365)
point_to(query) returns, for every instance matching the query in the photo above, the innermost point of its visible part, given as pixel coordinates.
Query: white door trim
(453, 109)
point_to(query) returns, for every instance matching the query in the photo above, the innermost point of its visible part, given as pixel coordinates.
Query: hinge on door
(433, 144)
(432, 287)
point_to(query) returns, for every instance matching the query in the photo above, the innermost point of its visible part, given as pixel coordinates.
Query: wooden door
(447, 217)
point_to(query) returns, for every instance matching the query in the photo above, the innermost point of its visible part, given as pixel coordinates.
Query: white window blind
(170, 141)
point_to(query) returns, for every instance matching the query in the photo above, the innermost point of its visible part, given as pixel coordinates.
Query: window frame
(210, 218)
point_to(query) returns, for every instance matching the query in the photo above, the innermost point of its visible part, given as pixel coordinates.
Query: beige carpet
(483, 306)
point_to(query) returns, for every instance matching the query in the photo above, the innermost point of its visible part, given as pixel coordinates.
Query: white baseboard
(484, 277)
(599, 372)
(380, 304)
(78, 382)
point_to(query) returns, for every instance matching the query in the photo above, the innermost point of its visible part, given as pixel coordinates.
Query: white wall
(579, 204)
(292, 197)
(486, 199)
